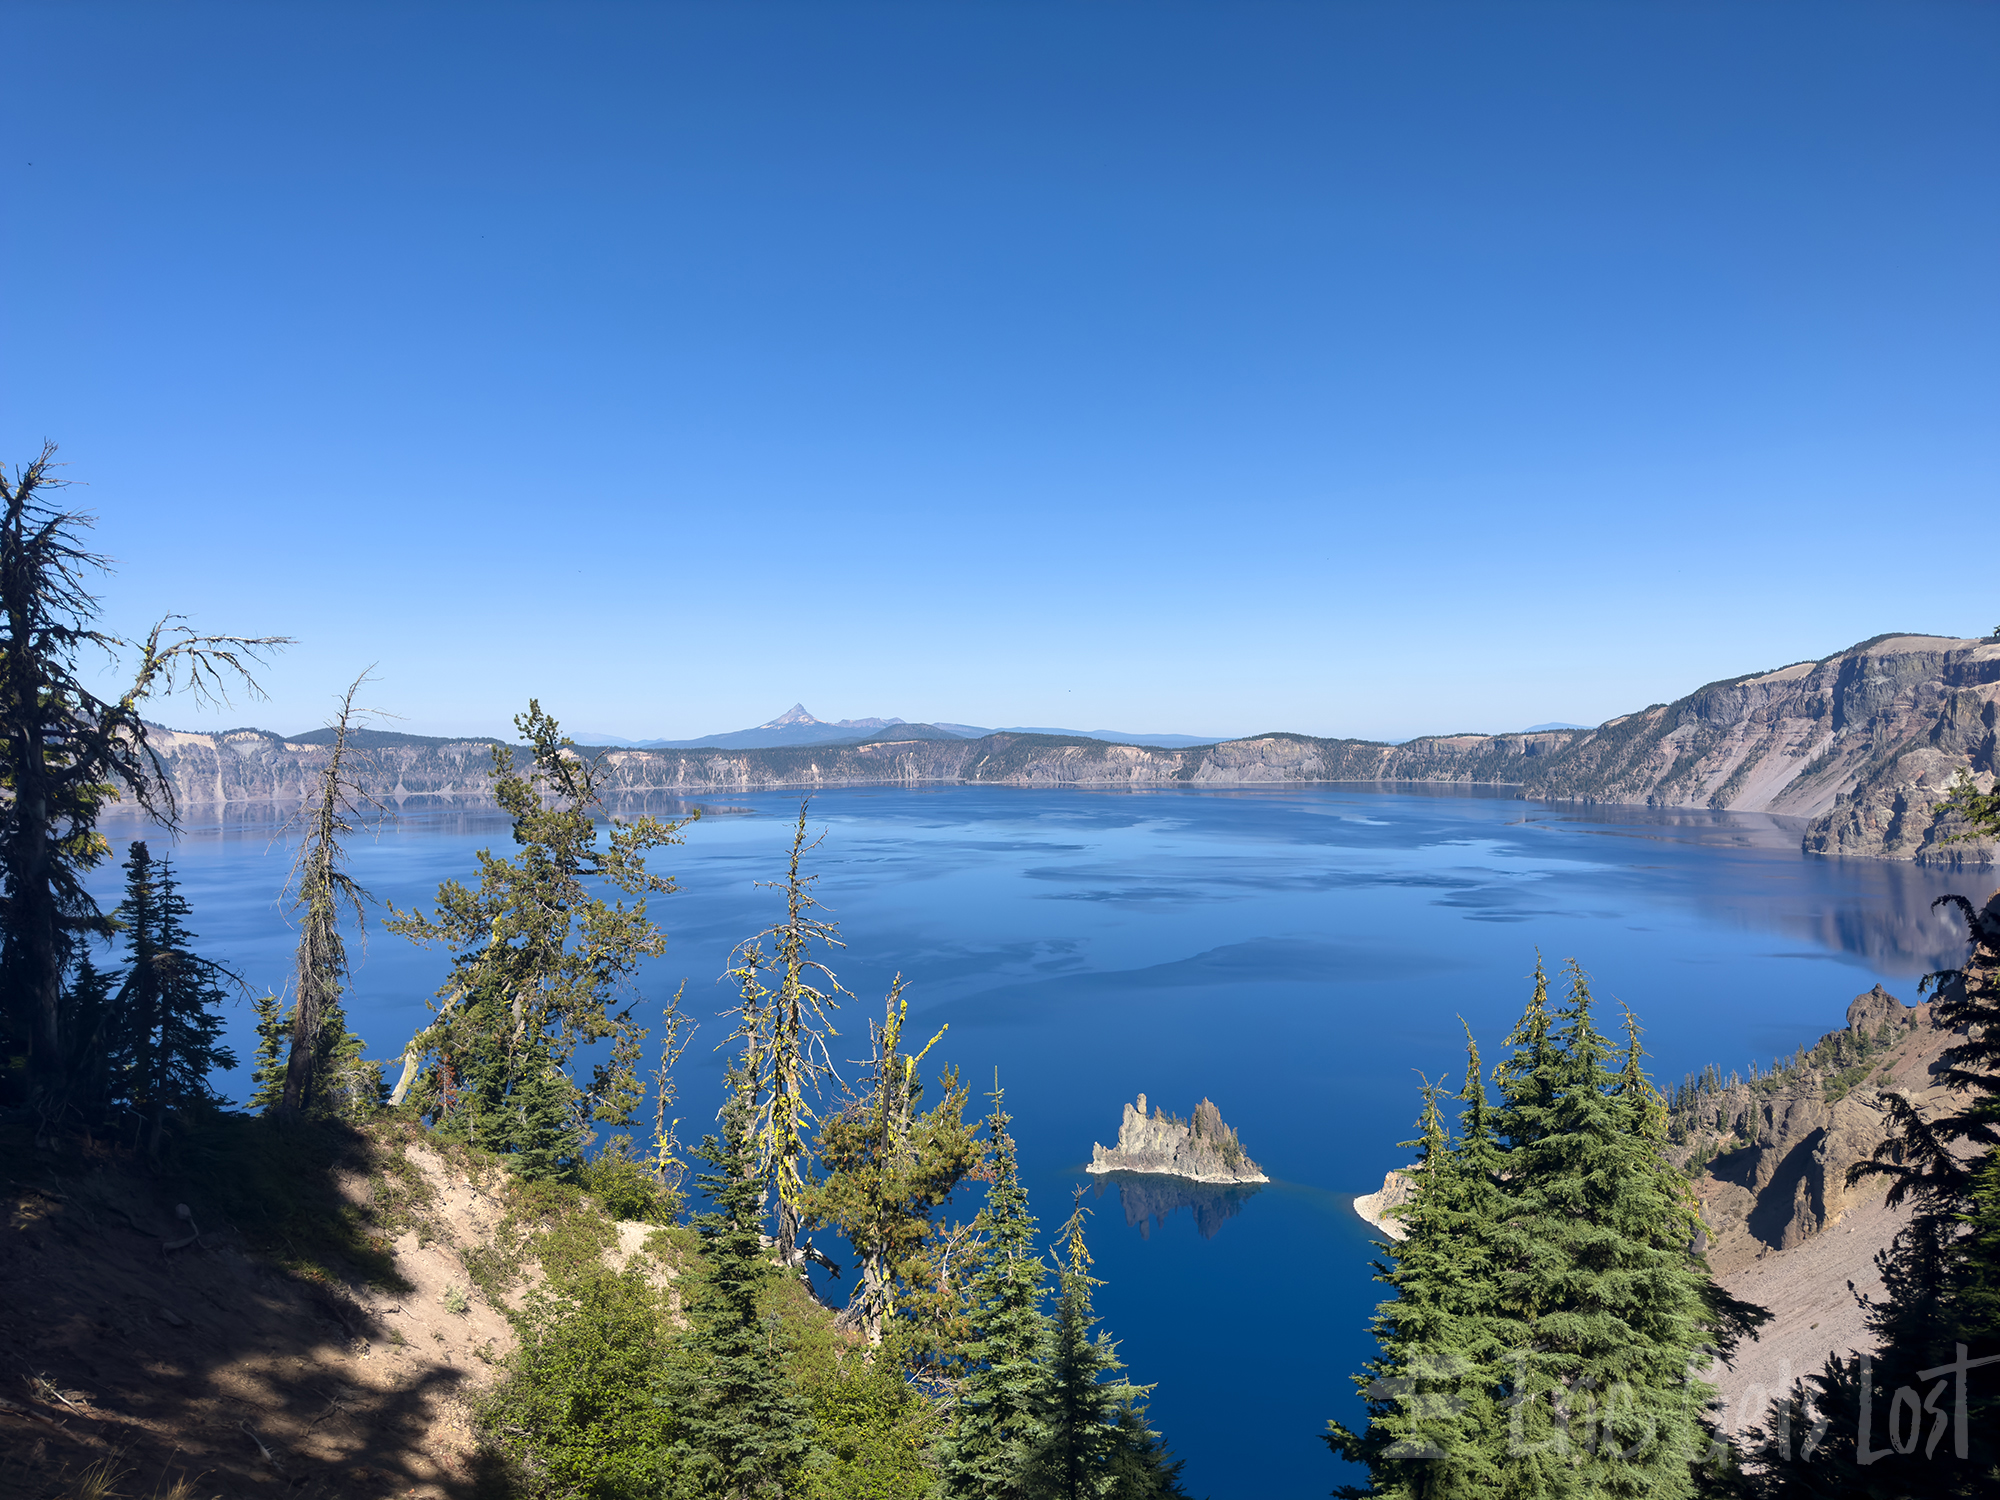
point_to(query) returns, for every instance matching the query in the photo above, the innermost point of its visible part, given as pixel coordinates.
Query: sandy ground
(209, 1363)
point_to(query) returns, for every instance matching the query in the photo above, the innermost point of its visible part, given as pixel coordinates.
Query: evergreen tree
(1976, 1296)
(1549, 1305)
(889, 1167)
(746, 1429)
(1095, 1444)
(996, 1418)
(88, 1031)
(64, 753)
(1607, 1297)
(537, 959)
(789, 1045)
(321, 891)
(167, 1027)
(267, 1078)
(1433, 1429)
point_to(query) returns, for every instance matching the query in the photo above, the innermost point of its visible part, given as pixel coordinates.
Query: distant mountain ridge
(1861, 745)
(797, 726)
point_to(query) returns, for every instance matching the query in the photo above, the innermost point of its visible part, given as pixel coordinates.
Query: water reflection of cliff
(1148, 1200)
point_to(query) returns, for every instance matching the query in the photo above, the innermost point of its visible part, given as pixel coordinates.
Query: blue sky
(1352, 368)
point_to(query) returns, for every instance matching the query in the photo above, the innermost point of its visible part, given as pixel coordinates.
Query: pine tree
(746, 1430)
(538, 958)
(321, 891)
(267, 1079)
(1095, 1443)
(167, 1027)
(1607, 1298)
(88, 1031)
(1433, 1430)
(1549, 1305)
(996, 1422)
(1976, 1296)
(64, 753)
(889, 1167)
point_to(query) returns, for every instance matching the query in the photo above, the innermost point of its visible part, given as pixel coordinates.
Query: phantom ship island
(1203, 1148)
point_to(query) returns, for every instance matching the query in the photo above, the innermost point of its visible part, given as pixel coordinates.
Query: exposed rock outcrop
(1384, 1208)
(1202, 1148)
(1771, 1152)
(1863, 744)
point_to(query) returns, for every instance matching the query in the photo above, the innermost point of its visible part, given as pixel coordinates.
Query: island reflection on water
(1148, 1199)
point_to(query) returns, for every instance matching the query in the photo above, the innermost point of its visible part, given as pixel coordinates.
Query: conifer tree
(996, 1418)
(89, 1026)
(321, 891)
(1433, 1428)
(746, 1430)
(889, 1167)
(167, 1029)
(537, 960)
(1607, 1298)
(1096, 1444)
(274, 1026)
(1550, 1306)
(788, 1049)
(65, 752)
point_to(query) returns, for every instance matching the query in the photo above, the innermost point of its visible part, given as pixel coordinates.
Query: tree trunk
(38, 946)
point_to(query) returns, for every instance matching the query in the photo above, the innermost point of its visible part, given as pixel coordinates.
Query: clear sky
(1351, 368)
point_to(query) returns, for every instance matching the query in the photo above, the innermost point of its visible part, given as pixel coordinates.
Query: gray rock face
(1863, 744)
(1202, 1148)
(1772, 1161)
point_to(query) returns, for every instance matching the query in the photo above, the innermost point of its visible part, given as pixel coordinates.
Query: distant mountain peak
(796, 714)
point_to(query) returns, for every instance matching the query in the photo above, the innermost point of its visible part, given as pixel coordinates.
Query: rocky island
(1202, 1148)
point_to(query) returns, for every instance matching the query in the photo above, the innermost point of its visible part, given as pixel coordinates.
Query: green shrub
(589, 1405)
(624, 1189)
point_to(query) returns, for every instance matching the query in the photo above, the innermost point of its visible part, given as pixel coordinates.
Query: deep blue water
(1297, 955)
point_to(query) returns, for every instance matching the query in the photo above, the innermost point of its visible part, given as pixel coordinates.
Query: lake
(1298, 955)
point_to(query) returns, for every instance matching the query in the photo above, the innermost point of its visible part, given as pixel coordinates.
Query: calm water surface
(1297, 955)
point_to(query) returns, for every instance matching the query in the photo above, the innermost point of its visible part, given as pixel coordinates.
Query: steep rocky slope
(1862, 744)
(1785, 1229)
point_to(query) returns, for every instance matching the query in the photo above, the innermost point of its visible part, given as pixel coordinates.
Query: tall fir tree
(996, 1422)
(168, 1025)
(65, 752)
(746, 1429)
(322, 891)
(1096, 1443)
(1551, 1307)
(1434, 1430)
(1605, 1292)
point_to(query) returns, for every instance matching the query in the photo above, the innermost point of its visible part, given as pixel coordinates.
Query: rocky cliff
(1202, 1148)
(1770, 1153)
(1862, 744)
